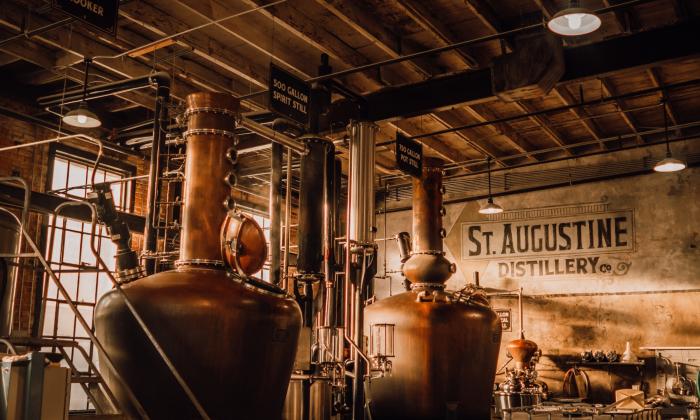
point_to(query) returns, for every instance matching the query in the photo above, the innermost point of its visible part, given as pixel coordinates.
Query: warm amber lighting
(669, 164)
(491, 208)
(574, 21)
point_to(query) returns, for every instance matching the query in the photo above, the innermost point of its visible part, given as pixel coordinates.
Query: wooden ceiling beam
(75, 46)
(609, 91)
(583, 116)
(151, 19)
(658, 83)
(6, 59)
(430, 23)
(46, 59)
(369, 27)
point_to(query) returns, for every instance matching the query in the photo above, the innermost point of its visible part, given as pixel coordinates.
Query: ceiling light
(83, 117)
(490, 207)
(574, 21)
(669, 164)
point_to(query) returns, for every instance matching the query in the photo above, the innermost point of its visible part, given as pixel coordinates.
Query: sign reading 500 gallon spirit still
(552, 246)
(289, 95)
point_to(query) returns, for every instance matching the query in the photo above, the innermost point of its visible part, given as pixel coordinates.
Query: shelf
(580, 363)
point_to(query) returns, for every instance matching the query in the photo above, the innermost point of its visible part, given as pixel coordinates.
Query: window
(69, 253)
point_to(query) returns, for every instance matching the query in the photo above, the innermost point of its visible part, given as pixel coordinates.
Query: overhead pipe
(636, 134)
(438, 50)
(554, 110)
(273, 135)
(106, 89)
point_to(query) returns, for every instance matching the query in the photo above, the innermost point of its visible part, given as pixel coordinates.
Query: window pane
(71, 248)
(86, 288)
(60, 174)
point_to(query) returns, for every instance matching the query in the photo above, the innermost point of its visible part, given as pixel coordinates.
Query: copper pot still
(232, 339)
(446, 344)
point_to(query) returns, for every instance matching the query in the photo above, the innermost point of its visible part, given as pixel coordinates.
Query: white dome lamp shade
(490, 207)
(574, 21)
(669, 163)
(82, 116)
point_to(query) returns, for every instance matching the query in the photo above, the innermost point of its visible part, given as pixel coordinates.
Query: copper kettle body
(232, 341)
(446, 344)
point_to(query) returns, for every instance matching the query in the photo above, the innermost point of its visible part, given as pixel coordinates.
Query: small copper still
(231, 338)
(445, 344)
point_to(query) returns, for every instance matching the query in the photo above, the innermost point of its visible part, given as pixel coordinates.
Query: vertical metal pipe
(160, 122)
(359, 238)
(275, 212)
(361, 189)
(330, 215)
(310, 238)
(287, 219)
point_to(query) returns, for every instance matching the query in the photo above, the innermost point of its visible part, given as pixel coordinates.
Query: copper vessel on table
(232, 339)
(446, 344)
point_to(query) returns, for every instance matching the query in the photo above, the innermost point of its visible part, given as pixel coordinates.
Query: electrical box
(34, 388)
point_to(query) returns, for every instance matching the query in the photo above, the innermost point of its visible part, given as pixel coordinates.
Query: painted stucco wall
(646, 291)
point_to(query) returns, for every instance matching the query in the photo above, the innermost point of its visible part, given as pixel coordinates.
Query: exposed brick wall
(31, 163)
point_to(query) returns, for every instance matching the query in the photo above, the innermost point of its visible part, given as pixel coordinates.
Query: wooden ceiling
(234, 55)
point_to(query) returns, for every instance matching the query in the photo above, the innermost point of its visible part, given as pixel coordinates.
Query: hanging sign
(289, 95)
(505, 316)
(409, 155)
(101, 14)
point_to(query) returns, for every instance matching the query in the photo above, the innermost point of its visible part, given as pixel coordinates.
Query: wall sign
(505, 315)
(289, 95)
(409, 155)
(582, 244)
(101, 14)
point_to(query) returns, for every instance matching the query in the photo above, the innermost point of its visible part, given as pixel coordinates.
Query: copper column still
(231, 338)
(446, 344)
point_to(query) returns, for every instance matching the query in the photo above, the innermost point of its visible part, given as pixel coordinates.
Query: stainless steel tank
(446, 344)
(232, 339)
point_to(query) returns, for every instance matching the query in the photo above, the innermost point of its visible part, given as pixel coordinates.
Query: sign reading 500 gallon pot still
(409, 155)
(289, 95)
(582, 244)
(102, 14)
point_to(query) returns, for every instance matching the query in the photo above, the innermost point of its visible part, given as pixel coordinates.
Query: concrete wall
(644, 290)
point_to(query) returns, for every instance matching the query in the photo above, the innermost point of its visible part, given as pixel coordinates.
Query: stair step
(94, 416)
(84, 379)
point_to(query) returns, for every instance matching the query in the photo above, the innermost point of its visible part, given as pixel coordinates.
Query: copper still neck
(209, 175)
(427, 263)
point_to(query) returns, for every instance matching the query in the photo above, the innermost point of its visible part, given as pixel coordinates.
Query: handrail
(76, 312)
(20, 242)
(100, 262)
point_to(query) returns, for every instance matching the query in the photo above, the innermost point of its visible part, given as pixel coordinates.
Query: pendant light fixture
(574, 21)
(490, 207)
(668, 164)
(82, 116)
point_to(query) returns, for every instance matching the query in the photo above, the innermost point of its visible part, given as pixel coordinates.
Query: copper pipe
(427, 263)
(427, 207)
(207, 195)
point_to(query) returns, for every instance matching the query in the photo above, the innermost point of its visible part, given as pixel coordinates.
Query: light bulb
(82, 119)
(574, 20)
